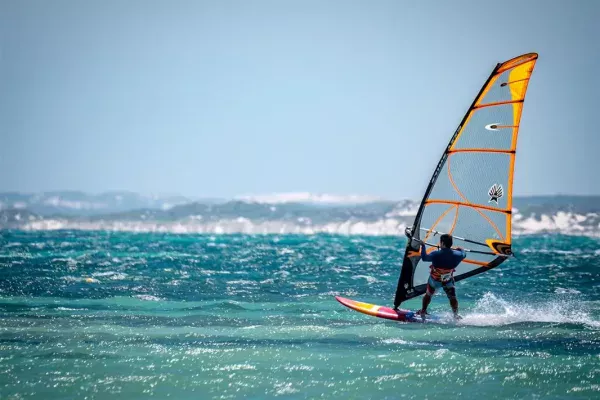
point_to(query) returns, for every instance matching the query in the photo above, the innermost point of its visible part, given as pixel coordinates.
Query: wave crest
(492, 310)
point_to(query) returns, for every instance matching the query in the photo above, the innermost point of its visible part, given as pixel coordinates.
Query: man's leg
(427, 296)
(451, 293)
(426, 301)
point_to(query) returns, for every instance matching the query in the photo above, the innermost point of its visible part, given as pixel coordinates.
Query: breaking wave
(353, 226)
(492, 310)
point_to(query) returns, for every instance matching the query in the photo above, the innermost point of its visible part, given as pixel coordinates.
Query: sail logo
(495, 193)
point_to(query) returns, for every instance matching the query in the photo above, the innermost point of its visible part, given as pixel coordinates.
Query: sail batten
(481, 150)
(466, 204)
(473, 178)
(498, 103)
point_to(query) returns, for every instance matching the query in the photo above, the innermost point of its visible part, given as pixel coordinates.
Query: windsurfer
(443, 263)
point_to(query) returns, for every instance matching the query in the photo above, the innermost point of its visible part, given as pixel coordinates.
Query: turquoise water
(106, 315)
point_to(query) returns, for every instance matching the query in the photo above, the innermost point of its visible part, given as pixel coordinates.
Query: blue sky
(220, 98)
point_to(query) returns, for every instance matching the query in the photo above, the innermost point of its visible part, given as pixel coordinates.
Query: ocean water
(98, 315)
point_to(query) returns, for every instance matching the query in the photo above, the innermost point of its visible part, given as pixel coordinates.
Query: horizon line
(364, 198)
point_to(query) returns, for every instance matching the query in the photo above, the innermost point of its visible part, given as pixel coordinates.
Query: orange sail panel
(475, 178)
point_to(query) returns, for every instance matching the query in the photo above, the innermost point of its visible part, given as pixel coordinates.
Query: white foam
(394, 377)
(105, 274)
(491, 310)
(395, 341)
(70, 278)
(285, 388)
(239, 225)
(391, 224)
(368, 278)
(517, 376)
(564, 222)
(285, 251)
(560, 290)
(242, 282)
(406, 208)
(114, 276)
(147, 297)
(588, 388)
(382, 227)
(577, 252)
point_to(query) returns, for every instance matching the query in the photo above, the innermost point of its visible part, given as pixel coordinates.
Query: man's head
(445, 241)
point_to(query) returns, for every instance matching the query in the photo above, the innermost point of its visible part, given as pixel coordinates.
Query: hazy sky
(220, 98)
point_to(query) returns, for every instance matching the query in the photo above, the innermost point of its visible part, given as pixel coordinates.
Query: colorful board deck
(385, 312)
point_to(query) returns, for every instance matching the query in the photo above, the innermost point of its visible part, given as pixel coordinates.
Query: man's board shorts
(433, 285)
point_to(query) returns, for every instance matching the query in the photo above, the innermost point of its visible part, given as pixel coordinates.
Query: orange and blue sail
(470, 193)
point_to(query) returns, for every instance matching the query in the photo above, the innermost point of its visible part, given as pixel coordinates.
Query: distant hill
(72, 203)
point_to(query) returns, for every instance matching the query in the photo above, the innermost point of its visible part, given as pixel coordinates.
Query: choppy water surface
(96, 315)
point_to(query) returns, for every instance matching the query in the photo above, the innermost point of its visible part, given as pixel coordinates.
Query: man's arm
(424, 255)
(459, 252)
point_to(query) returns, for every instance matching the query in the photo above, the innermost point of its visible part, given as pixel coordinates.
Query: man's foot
(457, 317)
(422, 312)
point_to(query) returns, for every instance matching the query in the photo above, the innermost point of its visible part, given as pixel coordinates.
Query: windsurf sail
(470, 193)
